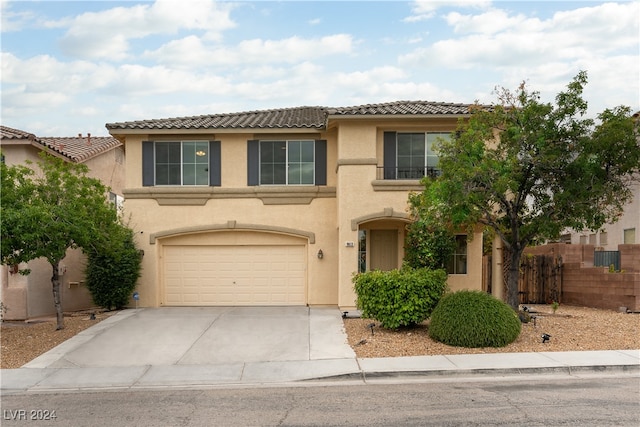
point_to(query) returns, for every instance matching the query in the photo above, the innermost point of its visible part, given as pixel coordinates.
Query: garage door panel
(235, 275)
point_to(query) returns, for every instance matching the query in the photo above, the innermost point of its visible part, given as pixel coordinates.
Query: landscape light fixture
(371, 325)
(545, 338)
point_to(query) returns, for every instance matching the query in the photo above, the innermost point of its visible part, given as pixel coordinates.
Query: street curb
(486, 372)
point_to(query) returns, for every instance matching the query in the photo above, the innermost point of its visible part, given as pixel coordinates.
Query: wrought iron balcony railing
(384, 172)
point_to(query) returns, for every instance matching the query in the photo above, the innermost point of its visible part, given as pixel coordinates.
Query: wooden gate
(540, 280)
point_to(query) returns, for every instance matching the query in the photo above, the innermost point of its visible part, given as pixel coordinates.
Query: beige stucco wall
(225, 213)
(362, 198)
(31, 296)
(326, 217)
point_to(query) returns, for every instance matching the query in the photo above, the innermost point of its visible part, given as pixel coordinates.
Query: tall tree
(49, 209)
(529, 170)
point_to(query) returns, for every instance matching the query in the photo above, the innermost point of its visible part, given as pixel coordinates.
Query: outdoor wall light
(320, 254)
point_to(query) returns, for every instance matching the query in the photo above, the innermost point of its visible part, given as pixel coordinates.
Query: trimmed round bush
(473, 319)
(399, 297)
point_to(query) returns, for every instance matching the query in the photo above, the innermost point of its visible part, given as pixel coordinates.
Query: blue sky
(69, 67)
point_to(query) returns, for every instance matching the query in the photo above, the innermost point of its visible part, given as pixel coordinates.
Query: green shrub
(113, 270)
(473, 319)
(399, 297)
(428, 245)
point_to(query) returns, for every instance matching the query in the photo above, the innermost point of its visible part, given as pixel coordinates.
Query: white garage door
(234, 275)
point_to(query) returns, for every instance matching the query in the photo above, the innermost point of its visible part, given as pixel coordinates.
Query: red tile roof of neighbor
(77, 149)
(296, 118)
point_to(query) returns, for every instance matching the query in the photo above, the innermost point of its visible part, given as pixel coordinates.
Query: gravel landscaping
(571, 329)
(22, 342)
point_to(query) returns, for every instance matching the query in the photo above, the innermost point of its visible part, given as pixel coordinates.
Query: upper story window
(411, 155)
(287, 162)
(180, 163)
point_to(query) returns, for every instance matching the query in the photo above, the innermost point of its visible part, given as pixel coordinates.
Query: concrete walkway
(226, 346)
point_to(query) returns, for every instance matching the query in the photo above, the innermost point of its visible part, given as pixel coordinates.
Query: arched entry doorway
(381, 244)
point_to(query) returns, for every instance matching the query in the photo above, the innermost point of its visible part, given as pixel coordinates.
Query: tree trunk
(55, 282)
(513, 296)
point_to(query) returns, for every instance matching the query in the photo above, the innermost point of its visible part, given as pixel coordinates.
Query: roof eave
(181, 131)
(395, 116)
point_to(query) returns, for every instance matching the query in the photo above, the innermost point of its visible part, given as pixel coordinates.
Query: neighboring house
(282, 206)
(31, 296)
(625, 231)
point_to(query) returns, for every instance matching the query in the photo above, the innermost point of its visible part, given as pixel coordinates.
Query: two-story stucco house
(282, 206)
(31, 296)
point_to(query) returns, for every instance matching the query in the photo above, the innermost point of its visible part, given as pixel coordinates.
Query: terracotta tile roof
(409, 108)
(293, 118)
(11, 133)
(77, 149)
(300, 117)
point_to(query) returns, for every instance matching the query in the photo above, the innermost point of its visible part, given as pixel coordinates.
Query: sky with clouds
(69, 67)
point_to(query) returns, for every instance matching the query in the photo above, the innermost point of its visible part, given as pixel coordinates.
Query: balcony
(405, 173)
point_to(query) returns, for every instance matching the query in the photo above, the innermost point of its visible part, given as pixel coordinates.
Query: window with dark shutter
(389, 155)
(181, 163)
(148, 165)
(286, 162)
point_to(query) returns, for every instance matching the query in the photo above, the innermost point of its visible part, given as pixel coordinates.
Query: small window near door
(458, 262)
(362, 251)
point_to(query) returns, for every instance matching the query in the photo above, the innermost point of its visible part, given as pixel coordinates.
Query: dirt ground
(24, 341)
(571, 329)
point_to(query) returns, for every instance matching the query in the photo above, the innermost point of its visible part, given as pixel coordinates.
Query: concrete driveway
(204, 336)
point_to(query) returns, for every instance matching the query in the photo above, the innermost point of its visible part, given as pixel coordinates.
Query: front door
(384, 250)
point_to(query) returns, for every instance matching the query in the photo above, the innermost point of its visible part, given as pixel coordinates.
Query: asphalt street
(597, 400)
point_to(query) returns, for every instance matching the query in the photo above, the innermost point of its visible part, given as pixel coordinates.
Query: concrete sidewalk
(250, 349)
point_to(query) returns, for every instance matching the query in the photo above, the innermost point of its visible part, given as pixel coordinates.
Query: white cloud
(515, 41)
(107, 34)
(13, 21)
(191, 51)
(547, 53)
(491, 22)
(426, 9)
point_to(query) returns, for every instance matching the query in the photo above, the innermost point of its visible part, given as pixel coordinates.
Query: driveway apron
(210, 335)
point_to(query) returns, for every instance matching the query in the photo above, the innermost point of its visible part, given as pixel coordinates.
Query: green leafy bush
(473, 319)
(399, 297)
(113, 270)
(428, 246)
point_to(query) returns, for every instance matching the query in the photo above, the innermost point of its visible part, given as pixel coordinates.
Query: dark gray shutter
(215, 164)
(148, 166)
(253, 162)
(389, 155)
(321, 162)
